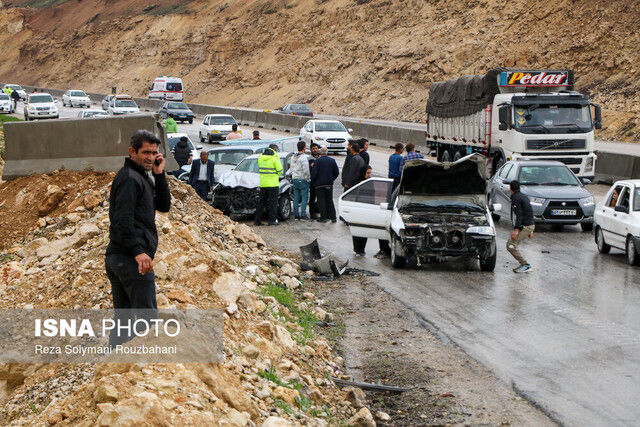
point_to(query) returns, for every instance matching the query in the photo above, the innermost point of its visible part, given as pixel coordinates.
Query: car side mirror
(384, 206)
(349, 130)
(585, 181)
(496, 207)
(623, 209)
(598, 118)
(198, 147)
(504, 117)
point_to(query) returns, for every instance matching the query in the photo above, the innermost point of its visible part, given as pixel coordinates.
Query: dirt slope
(371, 58)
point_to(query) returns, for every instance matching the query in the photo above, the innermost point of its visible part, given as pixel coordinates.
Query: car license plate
(563, 212)
(215, 131)
(43, 113)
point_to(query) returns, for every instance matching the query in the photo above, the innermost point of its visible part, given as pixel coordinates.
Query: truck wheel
(284, 207)
(457, 156)
(586, 226)
(489, 263)
(396, 260)
(603, 248)
(632, 252)
(446, 157)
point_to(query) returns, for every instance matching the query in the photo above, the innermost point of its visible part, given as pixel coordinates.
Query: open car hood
(429, 177)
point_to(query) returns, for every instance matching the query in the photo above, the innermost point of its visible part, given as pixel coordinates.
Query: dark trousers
(325, 202)
(396, 182)
(359, 243)
(313, 202)
(129, 290)
(202, 188)
(269, 199)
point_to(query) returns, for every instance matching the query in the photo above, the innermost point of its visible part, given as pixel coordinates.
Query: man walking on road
(354, 172)
(235, 134)
(395, 160)
(133, 238)
(411, 155)
(301, 175)
(524, 225)
(323, 174)
(270, 168)
(201, 176)
(16, 97)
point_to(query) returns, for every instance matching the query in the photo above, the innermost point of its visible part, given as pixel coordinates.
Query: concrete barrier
(611, 167)
(87, 144)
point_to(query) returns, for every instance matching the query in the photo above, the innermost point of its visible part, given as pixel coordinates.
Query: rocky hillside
(370, 58)
(275, 373)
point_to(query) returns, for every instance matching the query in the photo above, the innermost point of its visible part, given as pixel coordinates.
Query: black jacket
(355, 172)
(521, 208)
(324, 171)
(133, 202)
(345, 166)
(182, 152)
(365, 156)
(15, 95)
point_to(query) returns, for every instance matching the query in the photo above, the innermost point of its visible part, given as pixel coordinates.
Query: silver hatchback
(557, 195)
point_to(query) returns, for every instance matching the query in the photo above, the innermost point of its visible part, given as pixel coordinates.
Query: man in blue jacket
(323, 173)
(201, 175)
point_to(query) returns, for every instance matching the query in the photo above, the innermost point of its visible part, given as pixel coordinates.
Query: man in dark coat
(524, 225)
(201, 176)
(353, 174)
(182, 151)
(313, 199)
(138, 190)
(323, 174)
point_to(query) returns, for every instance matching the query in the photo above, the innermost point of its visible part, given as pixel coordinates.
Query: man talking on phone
(138, 190)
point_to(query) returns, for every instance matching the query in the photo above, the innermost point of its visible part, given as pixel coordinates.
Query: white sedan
(76, 98)
(330, 133)
(618, 220)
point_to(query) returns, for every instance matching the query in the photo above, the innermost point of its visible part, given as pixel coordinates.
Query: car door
(620, 220)
(501, 192)
(203, 127)
(360, 208)
(605, 216)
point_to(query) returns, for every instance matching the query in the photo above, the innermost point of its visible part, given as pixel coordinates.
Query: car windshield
(228, 120)
(78, 93)
(4, 97)
(248, 165)
(173, 141)
(16, 87)
(95, 113)
(299, 107)
(177, 106)
(636, 199)
(548, 118)
(547, 175)
(228, 157)
(174, 87)
(330, 127)
(37, 99)
(126, 103)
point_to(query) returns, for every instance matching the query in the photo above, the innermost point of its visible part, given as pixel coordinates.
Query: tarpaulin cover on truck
(468, 94)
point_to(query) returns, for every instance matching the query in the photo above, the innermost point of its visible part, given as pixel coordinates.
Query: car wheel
(190, 121)
(603, 248)
(457, 156)
(396, 260)
(489, 263)
(446, 157)
(586, 226)
(284, 207)
(632, 252)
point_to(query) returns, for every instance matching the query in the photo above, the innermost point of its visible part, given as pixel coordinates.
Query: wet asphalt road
(566, 335)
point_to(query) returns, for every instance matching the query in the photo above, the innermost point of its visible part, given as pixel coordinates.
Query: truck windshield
(546, 175)
(549, 118)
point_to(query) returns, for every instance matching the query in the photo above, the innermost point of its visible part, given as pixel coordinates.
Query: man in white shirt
(201, 175)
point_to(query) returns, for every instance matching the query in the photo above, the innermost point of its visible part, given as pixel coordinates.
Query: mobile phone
(157, 162)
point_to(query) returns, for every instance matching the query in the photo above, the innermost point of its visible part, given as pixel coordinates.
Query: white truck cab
(167, 87)
(122, 104)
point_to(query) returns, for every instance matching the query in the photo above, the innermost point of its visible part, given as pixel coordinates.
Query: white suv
(40, 106)
(75, 98)
(122, 104)
(6, 103)
(330, 133)
(618, 220)
(216, 126)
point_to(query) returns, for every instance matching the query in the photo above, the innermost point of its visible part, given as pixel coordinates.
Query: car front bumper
(179, 117)
(80, 103)
(545, 214)
(5, 108)
(472, 245)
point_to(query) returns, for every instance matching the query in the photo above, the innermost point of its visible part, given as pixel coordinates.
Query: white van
(166, 87)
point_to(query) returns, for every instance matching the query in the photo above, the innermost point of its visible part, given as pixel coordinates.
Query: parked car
(122, 104)
(439, 210)
(237, 190)
(75, 98)
(557, 195)
(226, 159)
(21, 91)
(331, 133)
(216, 127)
(6, 104)
(106, 101)
(166, 87)
(173, 138)
(296, 110)
(617, 221)
(40, 106)
(178, 110)
(86, 114)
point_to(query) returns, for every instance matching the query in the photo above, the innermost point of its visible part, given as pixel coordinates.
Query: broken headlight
(485, 230)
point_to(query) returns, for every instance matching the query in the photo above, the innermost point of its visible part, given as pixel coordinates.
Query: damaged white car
(438, 211)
